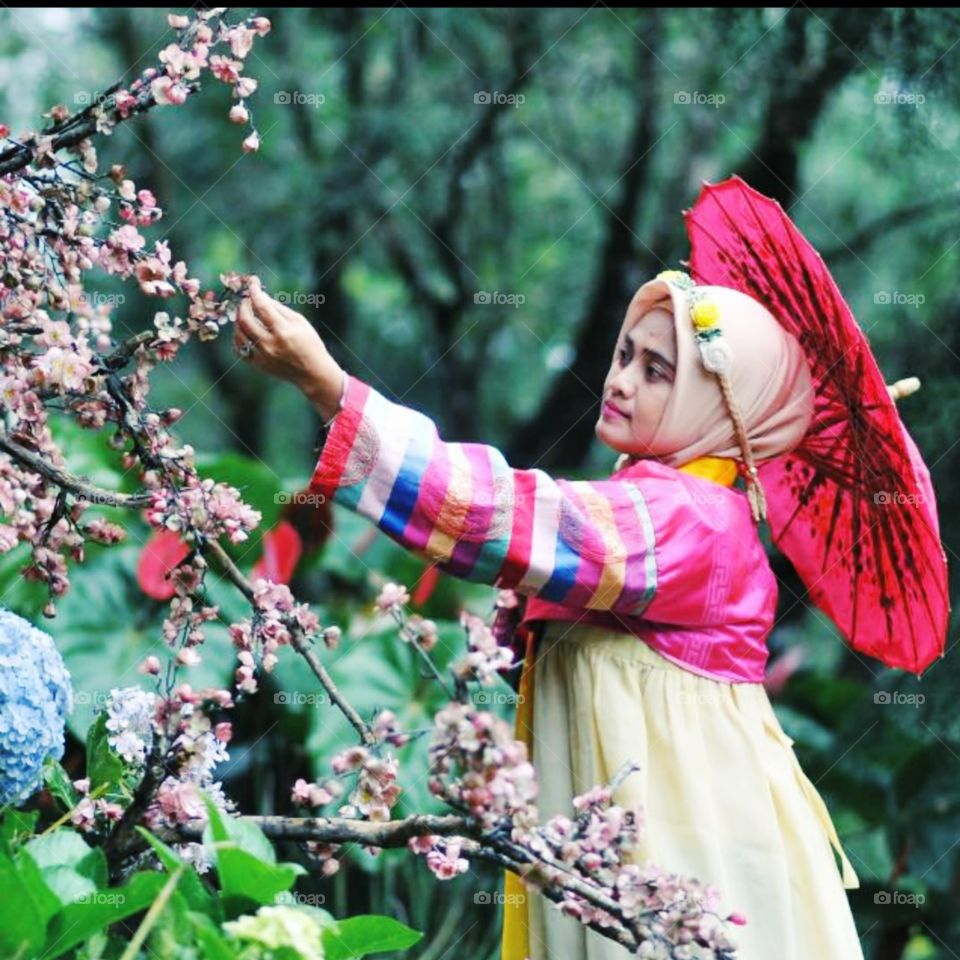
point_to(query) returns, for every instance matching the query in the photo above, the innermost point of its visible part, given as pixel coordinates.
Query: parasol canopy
(852, 507)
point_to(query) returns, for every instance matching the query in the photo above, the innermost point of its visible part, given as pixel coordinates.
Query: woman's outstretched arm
(463, 507)
(662, 544)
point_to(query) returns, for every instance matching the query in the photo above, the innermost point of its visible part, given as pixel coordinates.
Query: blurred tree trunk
(563, 428)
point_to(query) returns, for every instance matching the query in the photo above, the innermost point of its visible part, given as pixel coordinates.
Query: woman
(652, 594)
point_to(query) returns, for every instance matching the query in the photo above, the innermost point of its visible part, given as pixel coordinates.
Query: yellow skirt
(724, 797)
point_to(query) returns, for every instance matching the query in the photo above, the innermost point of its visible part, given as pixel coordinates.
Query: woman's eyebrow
(652, 353)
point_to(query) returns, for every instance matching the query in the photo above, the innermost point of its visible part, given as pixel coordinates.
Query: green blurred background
(413, 160)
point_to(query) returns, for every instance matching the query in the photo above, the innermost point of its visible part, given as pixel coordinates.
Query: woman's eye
(654, 372)
(622, 355)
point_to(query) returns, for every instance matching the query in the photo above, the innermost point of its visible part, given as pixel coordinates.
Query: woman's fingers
(273, 310)
(268, 311)
(249, 324)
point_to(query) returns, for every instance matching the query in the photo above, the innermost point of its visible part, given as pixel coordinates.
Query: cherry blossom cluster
(55, 336)
(486, 657)
(274, 609)
(196, 746)
(190, 747)
(375, 793)
(665, 910)
(376, 790)
(442, 854)
(202, 509)
(477, 766)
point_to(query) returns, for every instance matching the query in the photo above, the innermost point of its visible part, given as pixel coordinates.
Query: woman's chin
(622, 440)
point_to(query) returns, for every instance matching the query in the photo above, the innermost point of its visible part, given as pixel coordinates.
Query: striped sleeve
(460, 505)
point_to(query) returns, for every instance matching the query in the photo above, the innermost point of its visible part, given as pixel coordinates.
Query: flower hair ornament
(716, 357)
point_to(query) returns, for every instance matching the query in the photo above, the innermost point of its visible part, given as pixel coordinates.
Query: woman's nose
(621, 386)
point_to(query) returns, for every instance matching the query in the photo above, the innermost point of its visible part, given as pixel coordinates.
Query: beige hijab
(769, 375)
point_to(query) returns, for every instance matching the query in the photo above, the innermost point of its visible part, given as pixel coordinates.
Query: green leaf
(246, 860)
(59, 848)
(16, 827)
(104, 766)
(70, 868)
(213, 944)
(21, 922)
(366, 934)
(191, 887)
(45, 900)
(78, 921)
(27, 597)
(58, 782)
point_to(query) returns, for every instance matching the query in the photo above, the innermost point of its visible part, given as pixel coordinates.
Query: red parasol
(852, 506)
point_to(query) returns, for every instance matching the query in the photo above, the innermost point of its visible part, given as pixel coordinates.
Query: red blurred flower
(282, 549)
(426, 586)
(160, 554)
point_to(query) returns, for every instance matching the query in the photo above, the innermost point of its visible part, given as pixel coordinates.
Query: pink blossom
(84, 814)
(188, 657)
(181, 802)
(239, 114)
(448, 863)
(125, 102)
(225, 69)
(331, 636)
(150, 665)
(392, 594)
(251, 143)
(244, 87)
(168, 92)
(240, 40)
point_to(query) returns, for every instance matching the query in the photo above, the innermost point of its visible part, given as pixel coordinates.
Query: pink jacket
(668, 556)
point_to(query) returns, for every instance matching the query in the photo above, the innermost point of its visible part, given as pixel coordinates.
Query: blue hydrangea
(35, 698)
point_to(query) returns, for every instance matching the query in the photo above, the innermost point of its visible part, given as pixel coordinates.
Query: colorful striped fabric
(651, 540)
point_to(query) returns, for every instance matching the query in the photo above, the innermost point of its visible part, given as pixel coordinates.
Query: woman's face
(639, 384)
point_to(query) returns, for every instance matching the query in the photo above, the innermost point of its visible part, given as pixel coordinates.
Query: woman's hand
(285, 344)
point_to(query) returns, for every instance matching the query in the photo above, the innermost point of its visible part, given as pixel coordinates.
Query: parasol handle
(903, 388)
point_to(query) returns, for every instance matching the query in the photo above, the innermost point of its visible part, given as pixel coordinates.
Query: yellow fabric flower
(672, 275)
(705, 315)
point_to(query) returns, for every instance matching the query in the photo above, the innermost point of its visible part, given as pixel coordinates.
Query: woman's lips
(612, 413)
